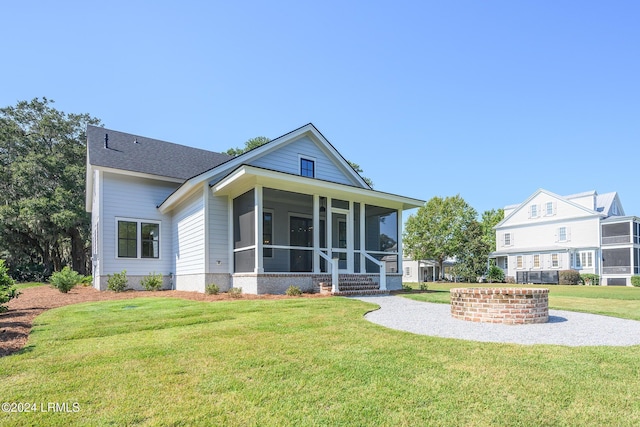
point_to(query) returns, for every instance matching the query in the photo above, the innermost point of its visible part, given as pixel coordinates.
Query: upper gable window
(549, 209)
(534, 211)
(307, 167)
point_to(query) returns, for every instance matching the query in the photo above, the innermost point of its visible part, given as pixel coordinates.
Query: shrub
(118, 282)
(65, 280)
(424, 286)
(293, 291)
(511, 280)
(495, 274)
(569, 277)
(211, 289)
(7, 287)
(590, 279)
(152, 282)
(635, 281)
(235, 292)
(87, 280)
(406, 287)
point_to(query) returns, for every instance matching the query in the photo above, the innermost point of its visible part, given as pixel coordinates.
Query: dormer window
(307, 167)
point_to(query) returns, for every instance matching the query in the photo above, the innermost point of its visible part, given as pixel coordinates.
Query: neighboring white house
(424, 270)
(291, 212)
(587, 232)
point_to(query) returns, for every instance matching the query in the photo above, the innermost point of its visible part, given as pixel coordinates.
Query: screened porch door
(301, 234)
(342, 239)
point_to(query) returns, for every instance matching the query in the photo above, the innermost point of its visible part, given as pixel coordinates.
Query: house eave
(246, 177)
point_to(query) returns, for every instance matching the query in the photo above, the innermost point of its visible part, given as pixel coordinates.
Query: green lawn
(299, 362)
(615, 301)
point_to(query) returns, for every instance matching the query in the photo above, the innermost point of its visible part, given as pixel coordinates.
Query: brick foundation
(512, 306)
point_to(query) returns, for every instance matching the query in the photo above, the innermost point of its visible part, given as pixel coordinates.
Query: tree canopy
(42, 216)
(256, 142)
(437, 230)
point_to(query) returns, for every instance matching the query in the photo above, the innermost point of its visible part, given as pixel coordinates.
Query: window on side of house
(127, 239)
(554, 261)
(138, 238)
(585, 259)
(549, 209)
(150, 238)
(536, 261)
(534, 211)
(307, 167)
(507, 239)
(519, 261)
(563, 234)
(407, 271)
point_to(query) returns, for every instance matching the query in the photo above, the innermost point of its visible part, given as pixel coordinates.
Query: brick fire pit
(512, 306)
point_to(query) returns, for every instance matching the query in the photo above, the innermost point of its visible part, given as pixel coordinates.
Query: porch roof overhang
(246, 177)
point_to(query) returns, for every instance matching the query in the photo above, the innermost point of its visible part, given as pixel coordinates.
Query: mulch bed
(16, 323)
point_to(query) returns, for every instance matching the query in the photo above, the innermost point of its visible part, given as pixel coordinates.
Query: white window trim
(504, 239)
(531, 213)
(138, 222)
(311, 159)
(533, 261)
(553, 209)
(557, 257)
(521, 267)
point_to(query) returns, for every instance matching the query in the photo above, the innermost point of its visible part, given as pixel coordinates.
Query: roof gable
(309, 131)
(521, 215)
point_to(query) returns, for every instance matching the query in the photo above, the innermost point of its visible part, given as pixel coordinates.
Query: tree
(437, 230)
(42, 178)
(250, 144)
(489, 220)
(256, 142)
(471, 260)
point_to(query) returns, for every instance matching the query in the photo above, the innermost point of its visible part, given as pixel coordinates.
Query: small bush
(87, 280)
(293, 291)
(235, 292)
(511, 280)
(635, 281)
(212, 289)
(406, 287)
(7, 287)
(65, 280)
(569, 277)
(152, 282)
(118, 282)
(589, 279)
(495, 274)
(424, 286)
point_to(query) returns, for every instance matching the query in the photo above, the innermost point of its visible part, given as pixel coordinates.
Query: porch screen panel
(244, 231)
(616, 261)
(381, 228)
(616, 233)
(244, 261)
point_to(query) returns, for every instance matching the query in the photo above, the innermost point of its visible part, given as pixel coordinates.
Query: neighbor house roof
(119, 150)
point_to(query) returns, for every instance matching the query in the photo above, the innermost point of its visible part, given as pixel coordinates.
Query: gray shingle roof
(146, 155)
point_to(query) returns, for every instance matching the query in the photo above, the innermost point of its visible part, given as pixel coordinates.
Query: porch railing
(335, 287)
(383, 270)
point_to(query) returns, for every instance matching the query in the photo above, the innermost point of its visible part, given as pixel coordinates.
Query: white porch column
(400, 255)
(316, 233)
(258, 265)
(329, 223)
(363, 259)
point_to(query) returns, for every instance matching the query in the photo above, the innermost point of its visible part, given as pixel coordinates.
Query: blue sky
(487, 99)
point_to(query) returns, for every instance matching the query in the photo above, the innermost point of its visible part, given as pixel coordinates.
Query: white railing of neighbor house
(335, 287)
(383, 270)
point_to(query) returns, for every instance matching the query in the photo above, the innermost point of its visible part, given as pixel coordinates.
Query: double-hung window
(307, 167)
(536, 261)
(507, 239)
(138, 238)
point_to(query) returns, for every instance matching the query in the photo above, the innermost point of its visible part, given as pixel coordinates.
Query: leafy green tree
(489, 220)
(7, 289)
(437, 230)
(256, 142)
(42, 178)
(249, 145)
(471, 260)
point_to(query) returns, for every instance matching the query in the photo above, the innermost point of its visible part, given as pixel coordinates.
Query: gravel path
(564, 327)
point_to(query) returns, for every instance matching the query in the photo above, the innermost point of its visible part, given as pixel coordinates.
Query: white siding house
(548, 233)
(292, 211)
